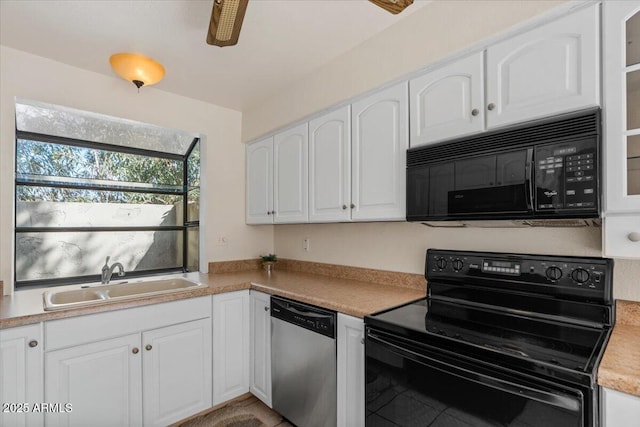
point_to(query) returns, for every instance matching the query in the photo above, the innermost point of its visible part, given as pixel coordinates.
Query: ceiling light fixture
(393, 6)
(138, 69)
(226, 21)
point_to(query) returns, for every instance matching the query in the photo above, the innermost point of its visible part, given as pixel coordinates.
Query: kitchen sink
(59, 300)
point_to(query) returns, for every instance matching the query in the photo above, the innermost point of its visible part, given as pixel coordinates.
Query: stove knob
(553, 273)
(457, 264)
(441, 263)
(580, 275)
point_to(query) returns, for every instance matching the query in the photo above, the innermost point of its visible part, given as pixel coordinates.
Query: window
(79, 201)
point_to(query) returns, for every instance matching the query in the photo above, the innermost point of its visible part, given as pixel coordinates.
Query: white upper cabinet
(622, 129)
(259, 191)
(290, 179)
(448, 101)
(21, 374)
(380, 138)
(330, 167)
(551, 69)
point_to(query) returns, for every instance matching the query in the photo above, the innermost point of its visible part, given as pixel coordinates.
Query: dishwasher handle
(313, 318)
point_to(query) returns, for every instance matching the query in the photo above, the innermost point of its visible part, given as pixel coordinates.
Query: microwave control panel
(566, 176)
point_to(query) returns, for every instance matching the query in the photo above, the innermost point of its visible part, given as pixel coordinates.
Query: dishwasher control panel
(315, 319)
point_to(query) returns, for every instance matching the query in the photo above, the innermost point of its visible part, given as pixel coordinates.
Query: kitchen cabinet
(260, 355)
(380, 138)
(259, 191)
(351, 373)
(141, 366)
(622, 129)
(330, 167)
(277, 178)
(21, 371)
(551, 69)
(230, 345)
(101, 380)
(448, 101)
(290, 176)
(176, 372)
(619, 409)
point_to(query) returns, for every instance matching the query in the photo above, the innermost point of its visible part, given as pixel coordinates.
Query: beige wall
(429, 35)
(28, 76)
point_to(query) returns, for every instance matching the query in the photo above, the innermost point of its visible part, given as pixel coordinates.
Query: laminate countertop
(353, 297)
(620, 365)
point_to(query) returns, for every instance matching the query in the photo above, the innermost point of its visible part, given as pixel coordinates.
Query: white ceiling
(281, 40)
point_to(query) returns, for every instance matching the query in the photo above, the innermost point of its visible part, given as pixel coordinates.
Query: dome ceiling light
(138, 69)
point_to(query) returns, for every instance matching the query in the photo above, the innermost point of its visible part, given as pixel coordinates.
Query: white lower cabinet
(102, 382)
(146, 366)
(260, 369)
(176, 373)
(350, 371)
(21, 375)
(619, 409)
(230, 345)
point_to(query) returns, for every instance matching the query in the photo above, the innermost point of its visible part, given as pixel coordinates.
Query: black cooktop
(503, 308)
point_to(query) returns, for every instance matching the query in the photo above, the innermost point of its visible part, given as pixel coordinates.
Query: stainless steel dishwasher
(303, 363)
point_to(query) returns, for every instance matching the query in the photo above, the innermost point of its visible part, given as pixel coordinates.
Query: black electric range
(500, 340)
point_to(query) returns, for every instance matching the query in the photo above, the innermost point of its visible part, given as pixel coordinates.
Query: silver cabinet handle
(148, 347)
(344, 207)
(361, 340)
(353, 206)
(475, 112)
(634, 236)
(491, 106)
(135, 350)
(266, 309)
(268, 212)
(273, 212)
(33, 343)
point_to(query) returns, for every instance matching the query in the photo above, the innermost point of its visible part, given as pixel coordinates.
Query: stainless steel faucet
(107, 271)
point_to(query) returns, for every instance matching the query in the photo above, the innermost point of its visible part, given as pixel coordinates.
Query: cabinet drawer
(618, 238)
(96, 327)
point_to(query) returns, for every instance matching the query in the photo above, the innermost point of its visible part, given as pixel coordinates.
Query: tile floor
(248, 412)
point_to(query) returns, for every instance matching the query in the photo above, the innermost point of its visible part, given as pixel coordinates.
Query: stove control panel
(557, 274)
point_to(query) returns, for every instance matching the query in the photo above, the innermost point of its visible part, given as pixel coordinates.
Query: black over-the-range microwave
(547, 169)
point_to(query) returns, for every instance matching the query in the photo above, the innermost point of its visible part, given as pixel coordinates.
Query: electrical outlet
(222, 241)
(306, 244)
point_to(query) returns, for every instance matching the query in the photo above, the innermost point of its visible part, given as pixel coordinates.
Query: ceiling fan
(227, 17)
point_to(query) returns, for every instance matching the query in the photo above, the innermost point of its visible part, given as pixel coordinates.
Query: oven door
(411, 385)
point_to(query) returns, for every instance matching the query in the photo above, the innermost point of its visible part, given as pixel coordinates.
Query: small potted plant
(268, 262)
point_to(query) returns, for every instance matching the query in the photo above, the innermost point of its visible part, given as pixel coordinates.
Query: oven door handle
(565, 402)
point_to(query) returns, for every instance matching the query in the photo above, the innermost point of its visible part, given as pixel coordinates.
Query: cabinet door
(350, 371)
(176, 372)
(380, 138)
(551, 69)
(102, 381)
(260, 182)
(330, 167)
(621, 236)
(448, 102)
(21, 374)
(619, 409)
(260, 370)
(622, 107)
(230, 345)
(291, 169)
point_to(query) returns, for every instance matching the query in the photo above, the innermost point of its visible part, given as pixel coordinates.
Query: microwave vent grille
(571, 127)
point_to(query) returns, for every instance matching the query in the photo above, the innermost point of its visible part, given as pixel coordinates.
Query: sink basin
(58, 300)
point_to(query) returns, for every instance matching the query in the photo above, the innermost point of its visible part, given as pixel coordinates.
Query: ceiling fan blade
(226, 21)
(393, 6)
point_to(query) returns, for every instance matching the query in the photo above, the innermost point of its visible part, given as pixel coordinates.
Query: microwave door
(496, 185)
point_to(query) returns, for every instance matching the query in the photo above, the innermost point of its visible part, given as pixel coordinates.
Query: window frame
(186, 224)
